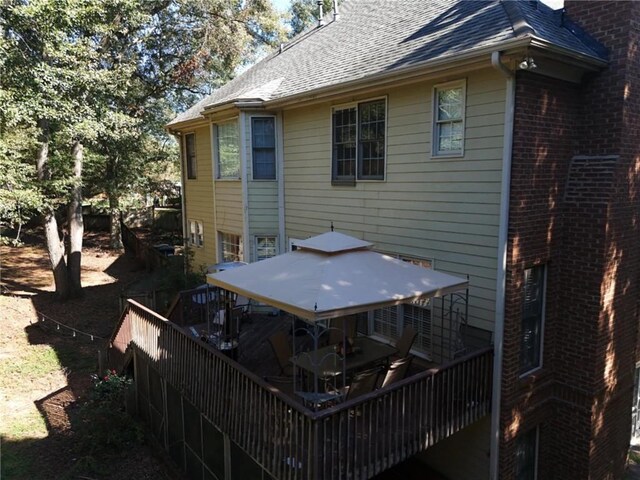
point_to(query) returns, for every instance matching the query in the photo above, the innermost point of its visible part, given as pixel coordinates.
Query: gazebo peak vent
(333, 242)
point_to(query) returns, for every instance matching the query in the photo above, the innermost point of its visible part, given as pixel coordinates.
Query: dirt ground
(48, 350)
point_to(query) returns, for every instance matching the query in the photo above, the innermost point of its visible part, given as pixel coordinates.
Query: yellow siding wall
(445, 209)
(199, 199)
(263, 199)
(228, 201)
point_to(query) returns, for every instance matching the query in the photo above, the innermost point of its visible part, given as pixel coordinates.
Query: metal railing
(355, 439)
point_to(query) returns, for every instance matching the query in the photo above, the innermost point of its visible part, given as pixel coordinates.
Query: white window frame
(345, 106)
(196, 233)
(542, 319)
(275, 148)
(222, 242)
(435, 137)
(219, 176)
(186, 156)
(256, 239)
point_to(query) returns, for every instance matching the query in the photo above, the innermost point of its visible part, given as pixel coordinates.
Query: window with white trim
(190, 155)
(230, 247)
(389, 322)
(359, 142)
(228, 150)
(263, 147)
(266, 247)
(527, 455)
(196, 233)
(532, 318)
(448, 121)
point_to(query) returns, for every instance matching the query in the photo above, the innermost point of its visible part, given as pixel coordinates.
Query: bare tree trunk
(115, 231)
(54, 244)
(115, 237)
(76, 224)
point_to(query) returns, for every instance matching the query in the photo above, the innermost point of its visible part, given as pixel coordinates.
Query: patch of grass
(634, 456)
(16, 463)
(78, 359)
(28, 425)
(36, 361)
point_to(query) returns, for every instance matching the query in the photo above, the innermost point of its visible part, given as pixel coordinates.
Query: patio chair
(243, 305)
(282, 350)
(341, 327)
(405, 342)
(363, 382)
(397, 370)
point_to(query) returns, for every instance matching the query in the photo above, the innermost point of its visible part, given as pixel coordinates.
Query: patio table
(326, 363)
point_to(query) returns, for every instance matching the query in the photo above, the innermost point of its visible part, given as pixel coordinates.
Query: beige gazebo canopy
(333, 275)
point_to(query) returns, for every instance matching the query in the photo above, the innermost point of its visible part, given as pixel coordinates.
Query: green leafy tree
(178, 52)
(53, 71)
(20, 198)
(102, 76)
(305, 13)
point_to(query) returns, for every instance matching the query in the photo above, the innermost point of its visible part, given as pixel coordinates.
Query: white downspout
(280, 177)
(503, 231)
(214, 176)
(183, 194)
(244, 169)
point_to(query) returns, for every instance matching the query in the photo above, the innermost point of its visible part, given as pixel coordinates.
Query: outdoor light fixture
(527, 63)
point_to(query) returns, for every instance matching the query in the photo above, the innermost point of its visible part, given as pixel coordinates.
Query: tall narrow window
(358, 141)
(263, 144)
(196, 233)
(190, 154)
(344, 145)
(449, 120)
(526, 455)
(371, 134)
(532, 318)
(266, 247)
(230, 247)
(228, 150)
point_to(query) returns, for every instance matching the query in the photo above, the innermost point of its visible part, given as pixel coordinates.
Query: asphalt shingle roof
(376, 36)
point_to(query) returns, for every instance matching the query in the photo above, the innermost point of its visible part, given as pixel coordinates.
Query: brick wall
(544, 138)
(574, 207)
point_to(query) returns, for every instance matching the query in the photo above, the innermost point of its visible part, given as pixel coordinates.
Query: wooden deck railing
(356, 439)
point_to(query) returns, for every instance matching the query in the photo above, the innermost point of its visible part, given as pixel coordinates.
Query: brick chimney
(600, 260)
(574, 207)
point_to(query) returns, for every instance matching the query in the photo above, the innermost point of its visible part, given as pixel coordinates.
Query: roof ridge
(518, 21)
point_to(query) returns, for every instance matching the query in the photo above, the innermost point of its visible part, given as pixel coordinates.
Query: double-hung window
(448, 121)
(196, 233)
(532, 319)
(266, 247)
(358, 141)
(190, 155)
(263, 147)
(230, 247)
(228, 150)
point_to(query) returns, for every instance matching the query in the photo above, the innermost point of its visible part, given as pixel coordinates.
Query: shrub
(105, 421)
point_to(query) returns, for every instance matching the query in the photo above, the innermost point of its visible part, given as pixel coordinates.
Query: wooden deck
(356, 439)
(255, 352)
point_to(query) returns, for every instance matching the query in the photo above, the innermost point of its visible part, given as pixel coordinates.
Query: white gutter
(183, 195)
(280, 178)
(503, 230)
(246, 252)
(214, 176)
